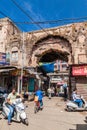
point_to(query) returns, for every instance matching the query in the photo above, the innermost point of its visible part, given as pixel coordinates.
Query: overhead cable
(52, 21)
(8, 17)
(28, 16)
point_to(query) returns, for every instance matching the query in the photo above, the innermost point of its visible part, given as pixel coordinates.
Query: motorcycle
(19, 114)
(37, 105)
(72, 106)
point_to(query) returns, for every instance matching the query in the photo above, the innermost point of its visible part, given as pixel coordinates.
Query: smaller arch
(50, 36)
(14, 49)
(52, 55)
(52, 39)
(55, 46)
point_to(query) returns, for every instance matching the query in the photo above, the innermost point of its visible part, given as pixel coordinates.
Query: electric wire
(37, 23)
(63, 57)
(53, 21)
(9, 18)
(29, 16)
(12, 21)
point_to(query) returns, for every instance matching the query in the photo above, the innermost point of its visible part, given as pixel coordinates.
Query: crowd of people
(57, 90)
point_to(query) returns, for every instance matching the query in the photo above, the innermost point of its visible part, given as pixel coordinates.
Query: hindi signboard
(79, 70)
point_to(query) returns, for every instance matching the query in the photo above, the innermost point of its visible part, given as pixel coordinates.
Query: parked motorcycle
(72, 106)
(3, 96)
(19, 114)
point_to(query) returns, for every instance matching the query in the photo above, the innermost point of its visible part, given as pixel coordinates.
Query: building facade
(67, 43)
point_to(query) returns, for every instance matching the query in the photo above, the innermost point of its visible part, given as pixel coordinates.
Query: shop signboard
(3, 60)
(79, 70)
(17, 72)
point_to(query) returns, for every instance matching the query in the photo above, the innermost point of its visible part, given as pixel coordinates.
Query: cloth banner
(48, 67)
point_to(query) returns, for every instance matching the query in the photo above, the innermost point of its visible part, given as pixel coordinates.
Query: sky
(43, 10)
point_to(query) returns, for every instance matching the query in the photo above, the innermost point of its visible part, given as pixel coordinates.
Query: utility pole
(22, 65)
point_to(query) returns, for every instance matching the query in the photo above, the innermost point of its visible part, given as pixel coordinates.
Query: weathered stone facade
(71, 40)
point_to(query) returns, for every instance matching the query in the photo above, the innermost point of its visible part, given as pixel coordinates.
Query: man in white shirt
(77, 98)
(10, 100)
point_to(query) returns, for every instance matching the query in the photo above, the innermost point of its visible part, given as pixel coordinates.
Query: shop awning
(8, 67)
(47, 67)
(6, 70)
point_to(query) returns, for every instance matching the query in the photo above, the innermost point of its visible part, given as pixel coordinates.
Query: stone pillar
(19, 85)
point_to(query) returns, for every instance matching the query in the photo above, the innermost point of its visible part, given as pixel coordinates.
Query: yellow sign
(17, 72)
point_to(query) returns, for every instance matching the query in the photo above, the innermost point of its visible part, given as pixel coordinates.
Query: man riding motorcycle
(39, 94)
(10, 100)
(77, 98)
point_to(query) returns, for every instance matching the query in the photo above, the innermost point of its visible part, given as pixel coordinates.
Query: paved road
(53, 117)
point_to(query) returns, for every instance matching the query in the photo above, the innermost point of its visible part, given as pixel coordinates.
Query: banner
(79, 70)
(3, 59)
(48, 67)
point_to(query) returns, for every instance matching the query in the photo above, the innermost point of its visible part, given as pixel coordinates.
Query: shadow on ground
(80, 127)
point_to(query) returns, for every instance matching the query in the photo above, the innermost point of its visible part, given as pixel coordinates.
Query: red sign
(79, 70)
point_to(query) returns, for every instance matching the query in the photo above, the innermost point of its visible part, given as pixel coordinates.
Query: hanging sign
(79, 70)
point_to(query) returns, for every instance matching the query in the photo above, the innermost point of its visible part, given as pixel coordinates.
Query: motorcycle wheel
(68, 109)
(26, 122)
(86, 108)
(35, 109)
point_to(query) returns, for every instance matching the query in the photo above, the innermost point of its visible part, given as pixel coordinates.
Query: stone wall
(75, 34)
(37, 43)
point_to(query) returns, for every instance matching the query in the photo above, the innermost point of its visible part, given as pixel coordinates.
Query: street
(53, 117)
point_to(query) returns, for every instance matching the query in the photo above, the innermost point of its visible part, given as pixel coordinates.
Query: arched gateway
(51, 48)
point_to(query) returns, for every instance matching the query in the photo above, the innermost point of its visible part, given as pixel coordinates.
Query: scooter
(37, 106)
(49, 95)
(19, 114)
(72, 106)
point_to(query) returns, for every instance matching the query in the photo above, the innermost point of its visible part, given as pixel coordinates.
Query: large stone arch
(50, 44)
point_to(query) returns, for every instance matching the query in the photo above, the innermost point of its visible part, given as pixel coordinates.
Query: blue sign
(48, 67)
(3, 59)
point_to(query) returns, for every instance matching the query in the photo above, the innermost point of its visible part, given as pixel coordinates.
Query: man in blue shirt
(39, 93)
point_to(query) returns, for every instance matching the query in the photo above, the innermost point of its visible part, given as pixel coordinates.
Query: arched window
(14, 54)
(8, 57)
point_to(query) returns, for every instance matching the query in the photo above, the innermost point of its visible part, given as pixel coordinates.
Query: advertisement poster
(3, 59)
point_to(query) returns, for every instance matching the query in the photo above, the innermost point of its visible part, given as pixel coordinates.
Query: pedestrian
(57, 90)
(65, 90)
(49, 93)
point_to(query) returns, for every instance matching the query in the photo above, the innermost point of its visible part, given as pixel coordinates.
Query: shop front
(16, 74)
(6, 79)
(78, 79)
(28, 80)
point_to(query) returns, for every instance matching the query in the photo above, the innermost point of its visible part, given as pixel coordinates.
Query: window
(14, 57)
